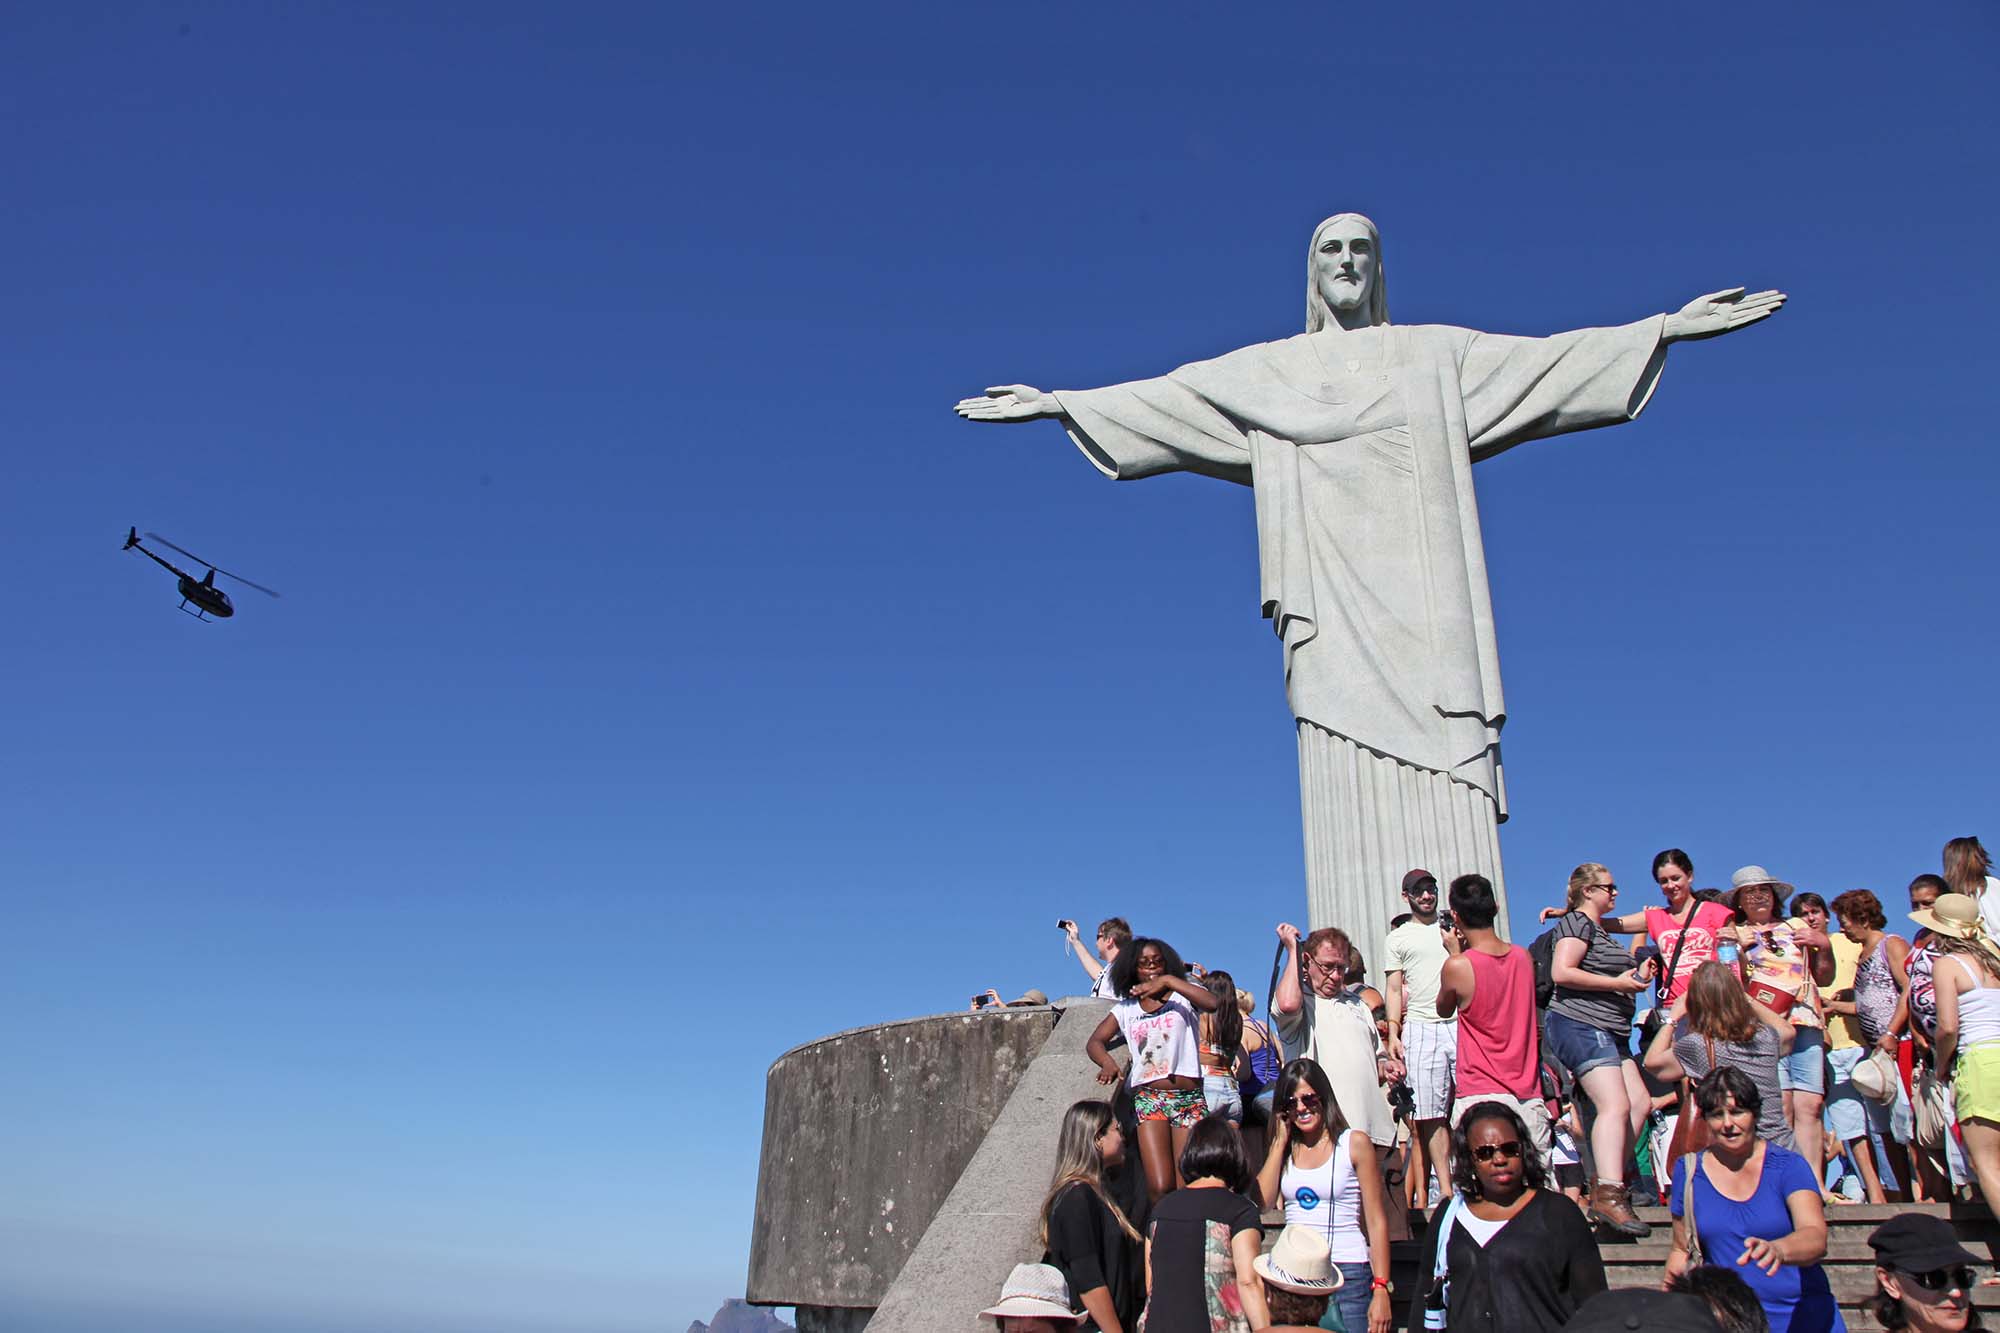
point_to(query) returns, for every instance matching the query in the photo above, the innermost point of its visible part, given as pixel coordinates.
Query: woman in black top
(1202, 1241)
(1084, 1232)
(1519, 1257)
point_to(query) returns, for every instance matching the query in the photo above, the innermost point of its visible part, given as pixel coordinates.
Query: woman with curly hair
(1156, 1013)
(1506, 1253)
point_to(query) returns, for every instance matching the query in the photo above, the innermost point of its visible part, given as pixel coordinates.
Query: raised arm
(1091, 966)
(1271, 1175)
(1454, 985)
(1288, 999)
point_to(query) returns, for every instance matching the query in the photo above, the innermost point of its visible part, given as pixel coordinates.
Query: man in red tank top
(1491, 987)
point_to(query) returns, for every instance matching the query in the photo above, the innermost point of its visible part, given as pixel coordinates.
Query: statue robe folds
(1359, 446)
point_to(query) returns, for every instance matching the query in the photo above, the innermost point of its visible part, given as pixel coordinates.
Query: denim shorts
(1223, 1097)
(1804, 1070)
(1579, 1047)
(1848, 1114)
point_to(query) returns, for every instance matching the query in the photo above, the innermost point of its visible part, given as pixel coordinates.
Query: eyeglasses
(1943, 1279)
(1608, 888)
(1305, 1102)
(1486, 1152)
(1338, 965)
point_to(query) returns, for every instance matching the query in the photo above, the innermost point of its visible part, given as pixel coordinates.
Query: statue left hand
(1720, 312)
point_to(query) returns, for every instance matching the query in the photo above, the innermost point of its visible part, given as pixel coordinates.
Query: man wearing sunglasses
(1414, 956)
(1923, 1277)
(1325, 1021)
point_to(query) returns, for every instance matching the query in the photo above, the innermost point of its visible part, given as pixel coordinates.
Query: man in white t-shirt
(1414, 954)
(1325, 1022)
(1112, 935)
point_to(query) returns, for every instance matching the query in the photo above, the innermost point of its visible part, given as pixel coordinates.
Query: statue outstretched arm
(1718, 313)
(1010, 402)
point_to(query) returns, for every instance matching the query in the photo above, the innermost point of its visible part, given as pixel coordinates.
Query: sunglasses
(1308, 1102)
(1486, 1152)
(1942, 1279)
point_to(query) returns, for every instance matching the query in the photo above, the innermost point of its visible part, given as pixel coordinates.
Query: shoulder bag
(1690, 1130)
(1687, 1209)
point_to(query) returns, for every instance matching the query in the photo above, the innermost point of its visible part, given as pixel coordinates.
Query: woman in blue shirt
(1754, 1207)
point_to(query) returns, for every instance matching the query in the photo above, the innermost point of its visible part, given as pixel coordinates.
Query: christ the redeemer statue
(1358, 439)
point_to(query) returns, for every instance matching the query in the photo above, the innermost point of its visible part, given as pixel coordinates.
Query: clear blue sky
(665, 677)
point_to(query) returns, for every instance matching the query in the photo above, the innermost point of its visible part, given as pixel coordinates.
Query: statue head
(1344, 272)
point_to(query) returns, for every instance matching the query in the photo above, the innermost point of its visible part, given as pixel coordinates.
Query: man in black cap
(1923, 1276)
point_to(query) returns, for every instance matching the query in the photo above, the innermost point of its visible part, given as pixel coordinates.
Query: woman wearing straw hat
(1783, 967)
(1966, 983)
(1299, 1280)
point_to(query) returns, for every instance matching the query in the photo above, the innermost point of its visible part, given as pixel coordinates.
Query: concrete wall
(865, 1133)
(988, 1222)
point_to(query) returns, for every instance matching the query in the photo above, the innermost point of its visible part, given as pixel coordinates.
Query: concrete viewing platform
(904, 1166)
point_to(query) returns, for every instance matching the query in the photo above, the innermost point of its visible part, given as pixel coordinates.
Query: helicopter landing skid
(197, 613)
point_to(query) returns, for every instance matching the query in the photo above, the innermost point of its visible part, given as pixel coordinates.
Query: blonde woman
(1966, 983)
(1589, 1031)
(1084, 1232)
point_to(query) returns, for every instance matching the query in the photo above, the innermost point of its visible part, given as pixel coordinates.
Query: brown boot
(1611, 1207)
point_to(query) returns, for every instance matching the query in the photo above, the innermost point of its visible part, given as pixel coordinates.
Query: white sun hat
(1034, 1291)
(1300, 1261)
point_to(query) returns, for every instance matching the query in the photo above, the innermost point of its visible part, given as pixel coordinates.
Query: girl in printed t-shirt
(1156, 1013)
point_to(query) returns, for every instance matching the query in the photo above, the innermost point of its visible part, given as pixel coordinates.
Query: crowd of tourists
(1748, 1057)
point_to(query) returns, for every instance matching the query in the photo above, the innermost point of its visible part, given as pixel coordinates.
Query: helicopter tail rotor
(214, 569)
(131, 539)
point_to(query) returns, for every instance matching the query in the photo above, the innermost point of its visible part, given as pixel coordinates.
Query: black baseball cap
(1416, 877)
(1630, 1309)
(1919, 1243)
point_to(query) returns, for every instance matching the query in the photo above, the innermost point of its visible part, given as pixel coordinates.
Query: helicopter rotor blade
(268, 592)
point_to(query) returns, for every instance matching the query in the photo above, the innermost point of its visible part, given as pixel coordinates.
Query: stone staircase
(1849, 1263)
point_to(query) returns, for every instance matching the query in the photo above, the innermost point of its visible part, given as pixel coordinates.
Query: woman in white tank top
(1330, 1181)
(1966, 1046)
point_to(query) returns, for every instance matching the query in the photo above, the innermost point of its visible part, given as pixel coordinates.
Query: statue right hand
(1009, 402)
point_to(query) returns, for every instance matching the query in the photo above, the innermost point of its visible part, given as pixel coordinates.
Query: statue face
(1344, 266)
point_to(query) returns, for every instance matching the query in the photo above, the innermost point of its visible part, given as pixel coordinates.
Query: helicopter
(208, 599)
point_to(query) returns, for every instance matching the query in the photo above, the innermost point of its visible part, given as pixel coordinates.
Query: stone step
(1960, 1214)
(1851, 1283)
(1848, 1248)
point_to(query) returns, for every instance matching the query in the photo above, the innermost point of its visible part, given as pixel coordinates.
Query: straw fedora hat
(1300, 1261)
(1034, 1291)
(1876, 1078)
(1958, 916)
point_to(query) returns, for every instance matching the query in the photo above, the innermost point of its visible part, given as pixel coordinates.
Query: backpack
(1543, 954)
